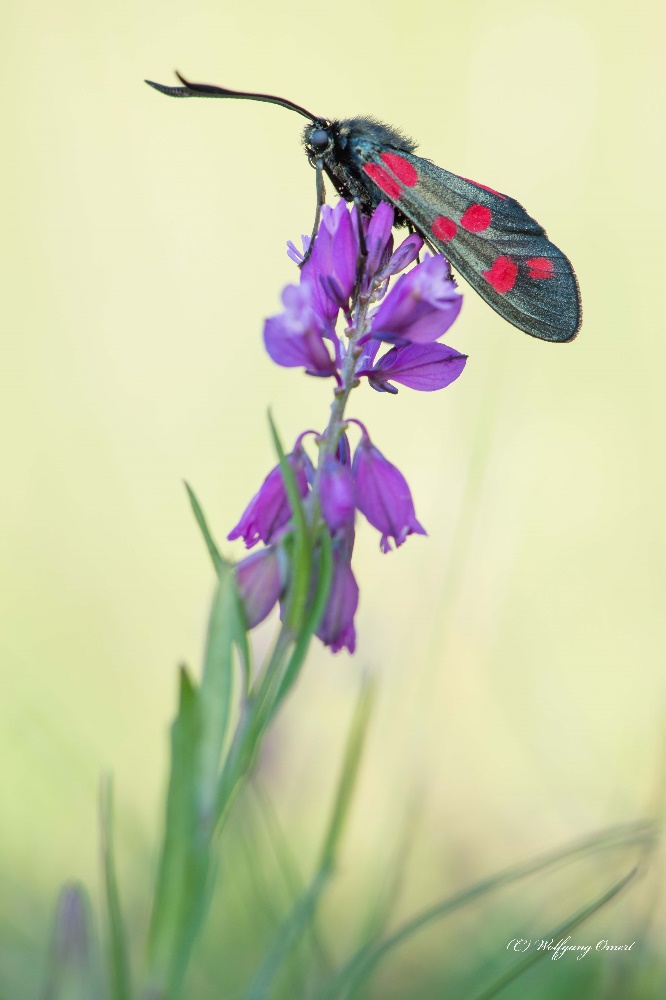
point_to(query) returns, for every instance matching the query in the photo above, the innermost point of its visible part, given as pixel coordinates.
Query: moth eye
(319, 139)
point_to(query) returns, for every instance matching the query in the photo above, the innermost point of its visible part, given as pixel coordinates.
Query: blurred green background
(520, 647)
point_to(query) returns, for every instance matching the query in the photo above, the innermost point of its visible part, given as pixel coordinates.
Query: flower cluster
(347, 273)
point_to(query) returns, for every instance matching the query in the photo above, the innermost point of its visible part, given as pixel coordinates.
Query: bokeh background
(519, 649)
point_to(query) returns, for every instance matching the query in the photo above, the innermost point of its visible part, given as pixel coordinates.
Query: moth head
(319, 139)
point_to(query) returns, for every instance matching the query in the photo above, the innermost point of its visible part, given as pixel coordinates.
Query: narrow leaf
(216, 686)
(301, 555)
(118, 960)
(563, 930)
(348, 776)
(181, 882)
(221, 566)
(218, 561)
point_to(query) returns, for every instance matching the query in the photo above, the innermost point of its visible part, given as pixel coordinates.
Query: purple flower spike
(336, 628)
(269, 509)
(338, 504)
(418, 366)
(294, 338)
(260, 580)
(382, 494)
(420, 307)
(331, 268)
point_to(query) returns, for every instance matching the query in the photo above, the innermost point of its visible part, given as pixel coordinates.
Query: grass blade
(564, 929)
(118, 959)
(219, 562)
(184, 862)
(363, 963)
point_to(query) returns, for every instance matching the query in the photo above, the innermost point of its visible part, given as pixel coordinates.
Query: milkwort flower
(391, 335)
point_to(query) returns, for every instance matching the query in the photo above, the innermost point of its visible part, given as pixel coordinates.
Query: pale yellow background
(520, 647)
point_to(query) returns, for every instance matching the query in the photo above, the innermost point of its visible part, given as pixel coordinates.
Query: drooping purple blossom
(426, 367)
(383, 496)
(405, 255)
(336, 628)
(420, 307)
(330, 271)
(269, 509)
(336, 486)
(294, 337)
(260, 579)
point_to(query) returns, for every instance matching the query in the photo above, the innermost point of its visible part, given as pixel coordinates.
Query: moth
(487, 236)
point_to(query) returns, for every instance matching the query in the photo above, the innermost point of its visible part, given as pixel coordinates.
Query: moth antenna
(207, 90)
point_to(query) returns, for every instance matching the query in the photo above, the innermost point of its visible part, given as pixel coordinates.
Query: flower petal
(383, 496)
(426, 367)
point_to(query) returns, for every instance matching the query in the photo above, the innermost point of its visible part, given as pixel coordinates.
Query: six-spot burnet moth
(488, 237)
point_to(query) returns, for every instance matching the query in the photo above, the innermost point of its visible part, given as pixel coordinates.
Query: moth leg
(321, 199)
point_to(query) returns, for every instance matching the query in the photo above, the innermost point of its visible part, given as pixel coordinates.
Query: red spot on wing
(485, 187)
(502, 275)
(402, 168)
(476, 218)
(444, 229)
(540, 268)
(383, 179)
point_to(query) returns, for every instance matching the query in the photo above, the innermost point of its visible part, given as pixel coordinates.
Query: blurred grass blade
(288, 936)
(322, 588)
(563, 930)
(289, 869)
(225, 625)
(303, 913)
(363, 963)
(218, 561)
(118, 959)
(301, 557)
(348, 776)
(183, 869)
(222, 567)
(72, 972)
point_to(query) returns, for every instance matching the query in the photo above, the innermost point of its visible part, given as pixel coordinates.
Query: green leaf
(322, 590)
(348, 776)
(219, 562)
(181, 884)
(225, 626)
(301, 554)
(118, 960)
(222, 567)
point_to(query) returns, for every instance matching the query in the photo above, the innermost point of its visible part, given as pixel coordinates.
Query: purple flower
(419, 366)
(269, 509)
(405, 255)
(337, 494)
(382, 494)
(420, 307)
(378, 241)
(336, 628)
(260, 579)
(294, 338)
(330, 271)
